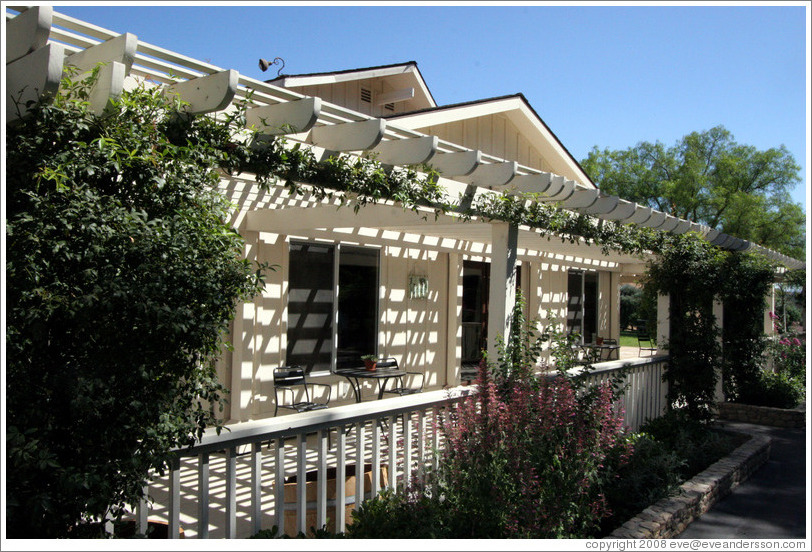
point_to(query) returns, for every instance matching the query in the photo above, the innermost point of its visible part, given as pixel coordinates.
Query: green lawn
(628, 339)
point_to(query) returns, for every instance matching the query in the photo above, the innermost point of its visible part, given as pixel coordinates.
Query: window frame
(337, 248)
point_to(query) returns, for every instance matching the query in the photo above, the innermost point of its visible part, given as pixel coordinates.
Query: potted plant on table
(370, 361)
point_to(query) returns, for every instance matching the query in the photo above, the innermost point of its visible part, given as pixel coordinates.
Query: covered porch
(431, 290)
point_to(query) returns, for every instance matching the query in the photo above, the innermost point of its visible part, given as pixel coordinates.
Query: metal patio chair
(293, 379)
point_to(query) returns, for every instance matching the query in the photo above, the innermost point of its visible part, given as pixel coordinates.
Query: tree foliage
(708, 178)
(122, 277)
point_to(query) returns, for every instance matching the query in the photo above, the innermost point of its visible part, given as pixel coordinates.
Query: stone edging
(670, 516)
(762, 415)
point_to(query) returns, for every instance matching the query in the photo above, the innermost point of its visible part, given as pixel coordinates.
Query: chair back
(286, 376)
(385, 363)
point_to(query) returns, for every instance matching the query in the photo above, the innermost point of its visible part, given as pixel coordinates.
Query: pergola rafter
(43, 43)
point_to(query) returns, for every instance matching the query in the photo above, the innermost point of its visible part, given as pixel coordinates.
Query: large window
(582, 304)
(324, 332)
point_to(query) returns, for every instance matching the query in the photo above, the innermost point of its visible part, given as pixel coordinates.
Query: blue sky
(606, 75)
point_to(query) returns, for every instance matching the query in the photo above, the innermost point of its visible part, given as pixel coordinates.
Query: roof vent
(366, 95)
(389, 107)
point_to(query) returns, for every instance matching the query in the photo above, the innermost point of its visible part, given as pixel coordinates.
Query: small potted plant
(370, 361)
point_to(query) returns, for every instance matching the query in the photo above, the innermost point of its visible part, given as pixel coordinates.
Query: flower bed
(670, 516)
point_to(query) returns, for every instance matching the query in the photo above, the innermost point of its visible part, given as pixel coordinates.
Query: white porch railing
(645, 394)
(239, 482)
(254, 461)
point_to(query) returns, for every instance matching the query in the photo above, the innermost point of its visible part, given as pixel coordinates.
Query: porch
(231, 485)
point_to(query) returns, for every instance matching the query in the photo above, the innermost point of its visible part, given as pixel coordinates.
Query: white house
(430, 292)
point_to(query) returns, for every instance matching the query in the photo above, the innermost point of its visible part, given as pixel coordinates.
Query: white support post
(769, 327)
(454, 322)
(718, 313)
(663, 322)
(614, 305)
(502, 296)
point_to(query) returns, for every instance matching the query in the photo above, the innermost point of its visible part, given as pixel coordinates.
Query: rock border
(670, 516)
(763, 415)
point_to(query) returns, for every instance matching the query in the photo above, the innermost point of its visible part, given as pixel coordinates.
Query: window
(324, 332)
(582, 304)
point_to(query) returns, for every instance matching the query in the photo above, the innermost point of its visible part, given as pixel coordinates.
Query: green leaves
(122, 278)
(708, 178)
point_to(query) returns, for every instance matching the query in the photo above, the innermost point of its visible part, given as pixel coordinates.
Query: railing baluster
(301, 483)
(279, 485)
(359, 463)
(435, 437)
(256, 487)
(421, 441)
(231, 493)
(393, 455)
(142, 513)
(321, 487)
(376, 456)
(203, 496)
(341, 469)
(407, 449)
(174, 498)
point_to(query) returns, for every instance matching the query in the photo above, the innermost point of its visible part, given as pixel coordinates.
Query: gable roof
(516, 108)
(401, 73)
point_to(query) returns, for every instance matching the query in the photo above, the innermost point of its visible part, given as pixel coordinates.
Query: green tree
(631, 298)
(708, 178)
(122, 277)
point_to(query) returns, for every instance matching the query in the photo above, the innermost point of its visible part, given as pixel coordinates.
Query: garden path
(771, 504)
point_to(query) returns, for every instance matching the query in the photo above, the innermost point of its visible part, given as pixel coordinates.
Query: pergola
(41, 44)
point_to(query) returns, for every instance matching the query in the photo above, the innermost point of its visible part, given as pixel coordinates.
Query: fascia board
(454, 114)
(331, 78)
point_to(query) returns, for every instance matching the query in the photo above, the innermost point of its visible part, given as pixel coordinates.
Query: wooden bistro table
(382, 375)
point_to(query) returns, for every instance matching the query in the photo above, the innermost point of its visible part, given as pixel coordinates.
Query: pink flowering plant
(529, 456)
(789, 356)
(529, 462)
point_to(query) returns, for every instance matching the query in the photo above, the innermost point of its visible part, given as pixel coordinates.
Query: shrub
(692, 440)
(122, 277)
(651, 472)
(774, 389)
(530, 466)
(789, 357)
(416, 514)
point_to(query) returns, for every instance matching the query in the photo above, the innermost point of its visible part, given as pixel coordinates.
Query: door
(475, 285)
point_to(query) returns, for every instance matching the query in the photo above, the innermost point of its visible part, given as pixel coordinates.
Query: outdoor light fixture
(264, 64)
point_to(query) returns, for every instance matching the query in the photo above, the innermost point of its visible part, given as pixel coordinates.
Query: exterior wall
(348, 94)
(424, 334)
(493, 134)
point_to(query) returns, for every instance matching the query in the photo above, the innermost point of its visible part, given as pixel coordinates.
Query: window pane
(357, 305)
(310, 306)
